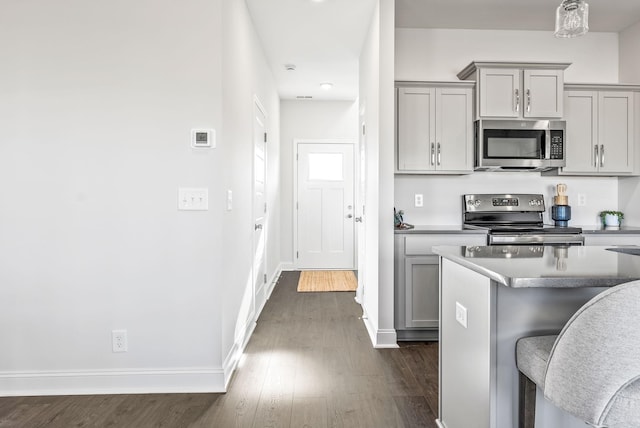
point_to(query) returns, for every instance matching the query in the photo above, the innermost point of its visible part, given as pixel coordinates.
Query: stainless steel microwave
(519, 145)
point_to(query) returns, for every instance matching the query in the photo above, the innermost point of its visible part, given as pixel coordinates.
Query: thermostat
(203, 138)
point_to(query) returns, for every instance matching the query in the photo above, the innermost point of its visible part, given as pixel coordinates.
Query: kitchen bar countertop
(589, 229)
(548, 266)
(440, 229)
(602, 229)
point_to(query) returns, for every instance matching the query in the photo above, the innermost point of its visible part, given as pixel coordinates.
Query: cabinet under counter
(417, 275)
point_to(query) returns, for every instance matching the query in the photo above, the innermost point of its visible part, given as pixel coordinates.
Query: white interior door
(259, 203)
(325, 206)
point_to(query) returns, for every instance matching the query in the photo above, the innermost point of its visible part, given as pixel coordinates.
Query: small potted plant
(611, 218)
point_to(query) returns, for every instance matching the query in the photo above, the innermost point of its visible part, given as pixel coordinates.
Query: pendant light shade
(572, 18)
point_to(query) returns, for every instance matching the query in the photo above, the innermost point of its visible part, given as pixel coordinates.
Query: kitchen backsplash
(443, 194)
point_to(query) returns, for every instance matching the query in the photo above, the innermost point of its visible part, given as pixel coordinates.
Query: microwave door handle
(602, 156)
(547, 144)
(596, 156)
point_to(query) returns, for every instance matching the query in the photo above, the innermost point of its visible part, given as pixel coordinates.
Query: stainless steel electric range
(515, 219)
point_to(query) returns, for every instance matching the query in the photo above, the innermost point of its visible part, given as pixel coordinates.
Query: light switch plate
(193, 199)
(229, 200)
(418, 200)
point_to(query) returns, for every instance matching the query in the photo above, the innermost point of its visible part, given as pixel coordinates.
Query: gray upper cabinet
(517, 90)
(434, 129)
(600, 131)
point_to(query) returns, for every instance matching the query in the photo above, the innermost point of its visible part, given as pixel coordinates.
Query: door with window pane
(325, 206)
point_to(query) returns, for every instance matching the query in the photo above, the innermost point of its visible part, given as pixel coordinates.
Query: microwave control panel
(557, 145)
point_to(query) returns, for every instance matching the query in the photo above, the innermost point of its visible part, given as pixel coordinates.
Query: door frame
(259, 294)
(296, 143)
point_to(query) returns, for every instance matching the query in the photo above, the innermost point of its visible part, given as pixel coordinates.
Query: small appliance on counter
(561, 211)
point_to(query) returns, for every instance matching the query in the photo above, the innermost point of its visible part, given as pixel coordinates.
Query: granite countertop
(586, 229)
(548, 266)
(602, 229)
(440, 229)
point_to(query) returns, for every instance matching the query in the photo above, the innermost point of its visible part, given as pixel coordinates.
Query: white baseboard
(380, 338)
(287, 267)
(189, 380)
(233, 357)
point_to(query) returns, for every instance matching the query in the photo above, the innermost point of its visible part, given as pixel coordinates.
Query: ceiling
(323, 38)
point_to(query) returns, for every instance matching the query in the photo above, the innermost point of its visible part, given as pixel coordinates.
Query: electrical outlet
(461, 314)
(582, 199)
(119, 340)
(418, 200)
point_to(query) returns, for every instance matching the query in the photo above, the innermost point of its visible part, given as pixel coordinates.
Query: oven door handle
(547, 239)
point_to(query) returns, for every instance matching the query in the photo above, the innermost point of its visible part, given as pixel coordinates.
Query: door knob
(358, 219)
(349, 215)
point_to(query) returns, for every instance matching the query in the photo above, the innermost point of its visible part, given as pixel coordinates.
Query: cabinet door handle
(433, 154)
(517, 100)
(438, 154)
(601, 155)
(528, 100)
(596, 156)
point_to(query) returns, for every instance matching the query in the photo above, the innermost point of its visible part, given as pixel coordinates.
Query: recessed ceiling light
(326, 85)
(317, 1)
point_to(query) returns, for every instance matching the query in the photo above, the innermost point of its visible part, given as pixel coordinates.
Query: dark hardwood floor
(308, 364)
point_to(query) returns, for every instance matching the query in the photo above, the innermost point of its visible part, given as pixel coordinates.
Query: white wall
(97, 105)
(443, 194)
(439, 54)
(630, 54)
(376, 107)
(246, 75)
(308, 120)
(630, 72)
(98, 99)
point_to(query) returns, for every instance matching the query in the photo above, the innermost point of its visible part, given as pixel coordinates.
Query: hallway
(309, 363)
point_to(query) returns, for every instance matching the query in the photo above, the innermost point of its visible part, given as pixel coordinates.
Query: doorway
(259, 203)
(324, 205)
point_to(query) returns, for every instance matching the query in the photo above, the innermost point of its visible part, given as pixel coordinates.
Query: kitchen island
(492, 296)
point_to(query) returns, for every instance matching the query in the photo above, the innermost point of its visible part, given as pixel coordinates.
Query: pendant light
(572, 18)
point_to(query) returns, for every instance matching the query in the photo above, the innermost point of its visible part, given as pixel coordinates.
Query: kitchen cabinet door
(600, 133)
(517, 93)
(416, 129)
(421, 293)
(454, 130)
(581, 115)
(500, 94)
(434, 130)
(543, 93)
(615, 132)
